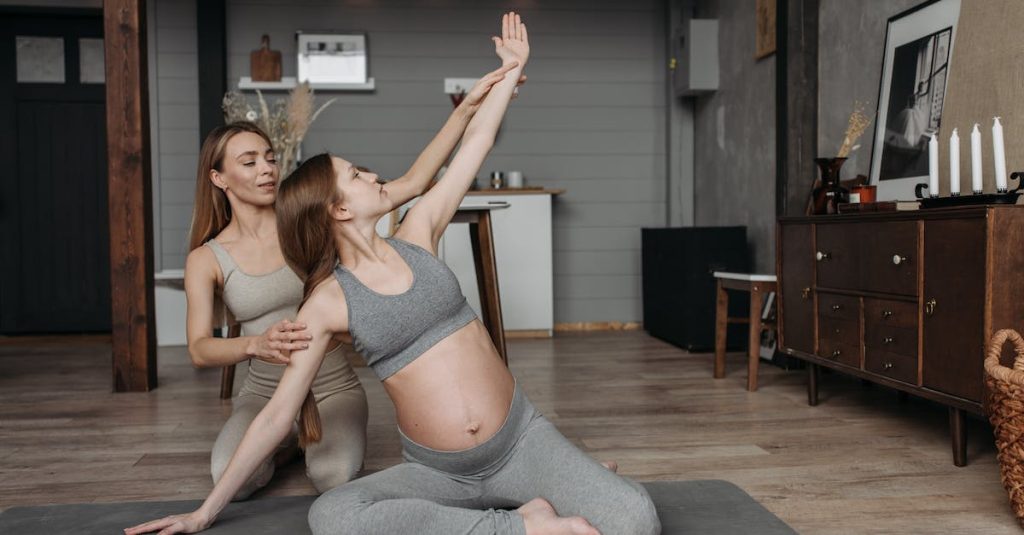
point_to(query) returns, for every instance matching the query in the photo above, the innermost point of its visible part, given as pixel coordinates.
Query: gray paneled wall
(734, 135)
(851, 42)
(591, 119)
(175, 126)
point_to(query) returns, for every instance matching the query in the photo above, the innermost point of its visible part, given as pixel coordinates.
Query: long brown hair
(211, 211)
(304, 231)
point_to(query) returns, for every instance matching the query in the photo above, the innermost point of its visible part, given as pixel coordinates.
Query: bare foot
(540, 519)
(611, 465)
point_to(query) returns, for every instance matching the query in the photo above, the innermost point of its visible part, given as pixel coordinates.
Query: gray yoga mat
(691, 507)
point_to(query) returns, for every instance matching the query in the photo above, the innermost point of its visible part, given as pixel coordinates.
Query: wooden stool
(758, 286)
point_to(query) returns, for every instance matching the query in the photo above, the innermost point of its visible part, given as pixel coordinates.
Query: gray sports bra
(392, 330)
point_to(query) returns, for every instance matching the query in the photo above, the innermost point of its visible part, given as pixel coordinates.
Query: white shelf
(289, 82)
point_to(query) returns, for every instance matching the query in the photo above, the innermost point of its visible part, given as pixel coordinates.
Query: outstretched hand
(483, 86)
(189, 523)
(513, 45)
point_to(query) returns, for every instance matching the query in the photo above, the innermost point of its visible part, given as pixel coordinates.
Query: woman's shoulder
(327, 301)
(201, 264)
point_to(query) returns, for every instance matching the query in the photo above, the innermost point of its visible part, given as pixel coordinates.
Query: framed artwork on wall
(332, 58)
(915, 69)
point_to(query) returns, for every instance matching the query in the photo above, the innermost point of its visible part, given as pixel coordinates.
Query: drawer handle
(837, 308)
(836, 353)
(887, 366)
(887, 340)
(929, 306)
(805, 293)
(886, 314)
(898, 259)
(822, 256)
(837, 330)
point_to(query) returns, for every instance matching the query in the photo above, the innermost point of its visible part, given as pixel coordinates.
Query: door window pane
(40, 59)
(90, 61)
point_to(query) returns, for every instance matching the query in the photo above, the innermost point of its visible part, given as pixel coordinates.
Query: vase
(826, 197)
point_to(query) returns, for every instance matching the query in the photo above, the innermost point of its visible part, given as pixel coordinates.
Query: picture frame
(912, 88)
(332, 58)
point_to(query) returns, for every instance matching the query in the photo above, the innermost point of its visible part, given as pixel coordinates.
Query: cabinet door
(954, 307)
(889, 264)
(837, 255)
(796, 280)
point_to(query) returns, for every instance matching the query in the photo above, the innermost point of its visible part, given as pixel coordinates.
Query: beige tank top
(259, 301)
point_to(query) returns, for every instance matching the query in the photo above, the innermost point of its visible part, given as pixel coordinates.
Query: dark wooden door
(954, 307)
(55, 274)
(797, 272)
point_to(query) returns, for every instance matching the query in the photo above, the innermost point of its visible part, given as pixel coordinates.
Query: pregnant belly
(456, 395)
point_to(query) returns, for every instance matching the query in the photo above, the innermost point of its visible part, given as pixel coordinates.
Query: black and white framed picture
(915, 68)
(332, 58)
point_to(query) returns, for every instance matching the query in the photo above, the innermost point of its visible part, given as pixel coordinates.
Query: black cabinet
(678, 286)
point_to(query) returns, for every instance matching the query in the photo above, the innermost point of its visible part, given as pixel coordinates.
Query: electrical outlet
(454, 86)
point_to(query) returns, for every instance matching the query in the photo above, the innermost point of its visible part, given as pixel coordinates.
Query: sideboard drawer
(840, 330)
(892, 365)
(890, 265)
(901, 340)
(835, 350)
(836, 255)
(891, 313)
(844, 307)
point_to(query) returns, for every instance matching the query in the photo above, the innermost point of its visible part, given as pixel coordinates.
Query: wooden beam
(211, 47)
(796, 103)
(133, 330)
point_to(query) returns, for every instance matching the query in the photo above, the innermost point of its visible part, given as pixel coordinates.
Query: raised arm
(324, 317)
(415, 181)
(201, 276)
(427, 220)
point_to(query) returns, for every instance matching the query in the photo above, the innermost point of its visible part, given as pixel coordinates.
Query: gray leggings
(468, 492)
(337, 458)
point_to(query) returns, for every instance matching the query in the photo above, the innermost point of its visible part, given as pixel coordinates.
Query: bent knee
(328, 476)
(636, 514)
(337, 511)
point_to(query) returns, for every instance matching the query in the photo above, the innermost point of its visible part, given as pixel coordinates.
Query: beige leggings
(334, 460)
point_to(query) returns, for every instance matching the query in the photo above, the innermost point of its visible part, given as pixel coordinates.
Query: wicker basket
(1006, 412)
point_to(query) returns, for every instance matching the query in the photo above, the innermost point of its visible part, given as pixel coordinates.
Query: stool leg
(721, 329)
(754, 351)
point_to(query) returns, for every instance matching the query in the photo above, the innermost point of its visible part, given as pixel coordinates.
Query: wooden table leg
(721, 330)
(958, 433)
(482, 239)
(754, 351)
(812, 384)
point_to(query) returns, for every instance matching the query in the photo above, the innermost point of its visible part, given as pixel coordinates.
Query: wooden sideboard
(903, 299)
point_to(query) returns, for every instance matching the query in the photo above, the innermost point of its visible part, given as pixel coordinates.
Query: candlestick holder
(979, 198)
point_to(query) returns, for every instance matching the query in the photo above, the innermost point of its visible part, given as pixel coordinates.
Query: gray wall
(174, 117)
(591, 119)
(850, 45)
(734, 135)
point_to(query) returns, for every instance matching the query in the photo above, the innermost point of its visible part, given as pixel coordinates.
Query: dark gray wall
(734, 134)
(850, 45)
(591, 119)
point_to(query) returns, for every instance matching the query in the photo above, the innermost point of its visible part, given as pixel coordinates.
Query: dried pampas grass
(855, 127)
(286, 121)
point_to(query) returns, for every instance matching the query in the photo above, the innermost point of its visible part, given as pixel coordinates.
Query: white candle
(954, 164)
(1000, 155)
(976, 159)
(933, 166)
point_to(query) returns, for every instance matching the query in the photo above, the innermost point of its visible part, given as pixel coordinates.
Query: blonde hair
(211, 211)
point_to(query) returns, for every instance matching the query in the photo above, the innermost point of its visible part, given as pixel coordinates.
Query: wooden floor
(860, 462)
